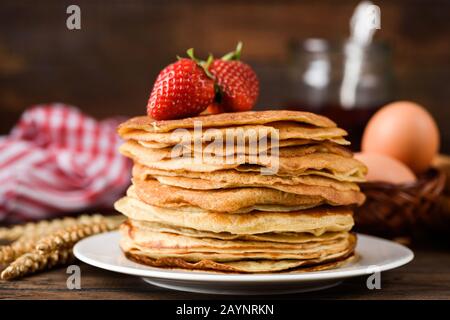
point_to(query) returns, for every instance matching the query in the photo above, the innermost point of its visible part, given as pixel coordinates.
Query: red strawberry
(238, 83)
(182, 89)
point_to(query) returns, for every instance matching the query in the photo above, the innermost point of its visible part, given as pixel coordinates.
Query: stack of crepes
(200, 213)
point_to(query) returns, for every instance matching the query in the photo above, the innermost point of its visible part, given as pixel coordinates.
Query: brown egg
(383, 168)
(405, 131)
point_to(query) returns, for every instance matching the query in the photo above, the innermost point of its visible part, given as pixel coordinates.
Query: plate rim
(158, 273)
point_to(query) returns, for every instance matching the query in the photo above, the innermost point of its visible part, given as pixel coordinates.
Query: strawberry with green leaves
(189, 86)
(237, 82)
(182, 89)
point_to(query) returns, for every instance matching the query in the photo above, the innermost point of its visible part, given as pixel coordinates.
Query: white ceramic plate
(374, 255)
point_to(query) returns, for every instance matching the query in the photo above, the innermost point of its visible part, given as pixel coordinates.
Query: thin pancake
(135, 253)
(225, 120)
(235, 199)
(315, 221)
(332, 196)
(174, 243)
(233, 177)
(284, 237)
(285, 152)
(278, 131)
(256, 266)
(238, 149)
(324, 164)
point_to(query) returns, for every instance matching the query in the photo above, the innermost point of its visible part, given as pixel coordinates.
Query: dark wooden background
(108, 67)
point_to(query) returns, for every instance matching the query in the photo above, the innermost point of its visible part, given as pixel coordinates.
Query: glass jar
(317, 84)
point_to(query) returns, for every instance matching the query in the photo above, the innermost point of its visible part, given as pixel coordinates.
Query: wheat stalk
(67, 237)
(33, 229)
(46, 244)
(36, 261)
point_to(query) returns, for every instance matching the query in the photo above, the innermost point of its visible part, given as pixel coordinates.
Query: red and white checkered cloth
(59, 160)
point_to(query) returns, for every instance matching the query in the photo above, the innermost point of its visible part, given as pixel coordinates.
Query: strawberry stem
(234, 55)
(190, 53)
(201, 63)
(209, 61)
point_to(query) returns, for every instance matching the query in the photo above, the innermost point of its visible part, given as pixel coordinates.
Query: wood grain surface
(426, 277)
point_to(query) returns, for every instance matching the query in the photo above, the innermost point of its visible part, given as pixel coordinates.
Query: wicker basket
(404, 211)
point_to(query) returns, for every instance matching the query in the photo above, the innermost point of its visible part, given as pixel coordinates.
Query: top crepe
(225, 120)
(276, 131)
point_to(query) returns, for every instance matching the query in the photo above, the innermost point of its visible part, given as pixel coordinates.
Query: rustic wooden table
(427, 277)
